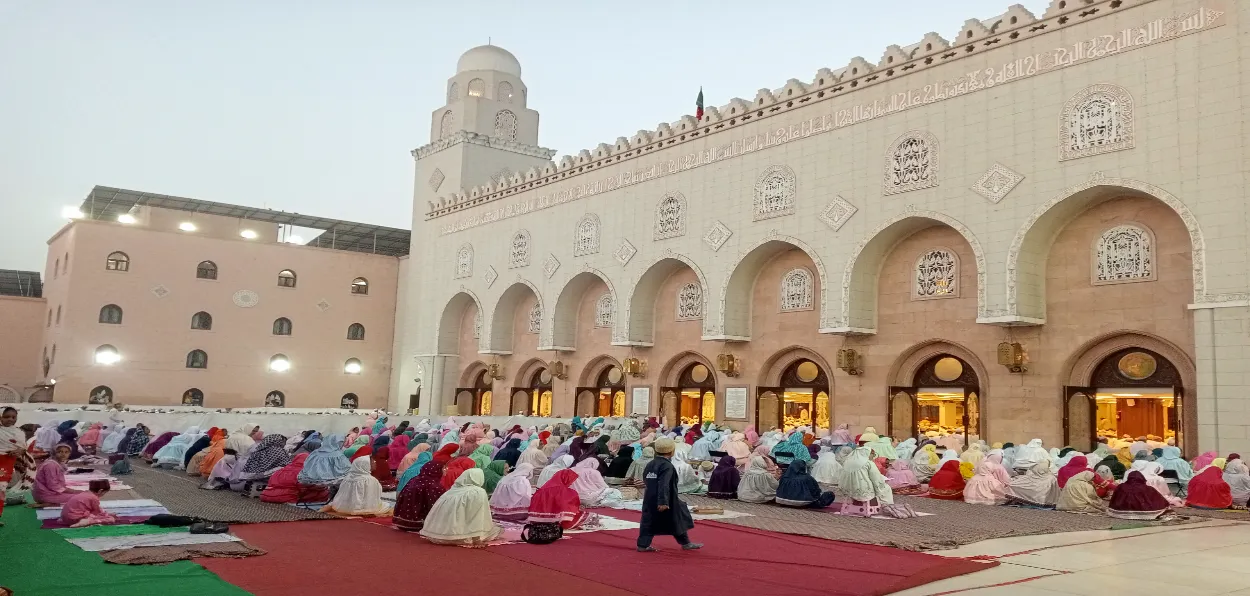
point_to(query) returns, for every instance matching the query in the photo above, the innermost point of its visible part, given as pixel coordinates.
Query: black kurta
(661, 489)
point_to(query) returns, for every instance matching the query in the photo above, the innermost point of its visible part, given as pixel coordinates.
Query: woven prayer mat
(1233, 514)
(157, 555)
(954, 523)
(182, 495)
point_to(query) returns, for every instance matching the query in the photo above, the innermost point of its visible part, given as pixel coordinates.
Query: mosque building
(1034, 228)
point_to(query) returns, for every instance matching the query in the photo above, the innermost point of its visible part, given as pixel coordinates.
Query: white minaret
(484, 132)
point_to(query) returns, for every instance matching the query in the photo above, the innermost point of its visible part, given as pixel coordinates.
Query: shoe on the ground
(648, 549)
(692, 546)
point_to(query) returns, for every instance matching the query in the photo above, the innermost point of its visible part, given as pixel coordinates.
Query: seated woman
(863, 485)
(380, 467)
(556, 503)
(418, 497)
(326, 466)
(1237, 475)
(219, 477)
(725, 479)
(171, 455)
(455, 468)
(83, 509)
(200, 449)
(633, 477)
(924, 463)
(213, 454)
(990, 484)
(688, 482)
(797, 488)
(615, 474)
(826, 468)
(1035, 488)
(1134, 499)
(1081, 495)
(396, 452)
(267, 457)
(590, 486)
(948, 483)
(360, 494)
(461, 517)
(1208, 490)
(792, 449)
(1171, 460)
(284, 485)
(901, 479)
(1076, 465)
(50, 485)
(562, 462)
(149, 450)
(511, 499)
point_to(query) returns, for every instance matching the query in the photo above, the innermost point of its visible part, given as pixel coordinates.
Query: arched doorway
(349, 401)
(944, 398)
(193, 397)
(101, 395)
(801, 400)
(1134, 392)
(606, 398)
(477, 400)
(535, 398)
(693, 400)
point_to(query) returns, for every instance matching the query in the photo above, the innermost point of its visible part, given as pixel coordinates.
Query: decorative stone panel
(436, 179)
(796, 290)
(670, 216)
(550, 266)
(997, 182)
(625, 252)
(1123, 254)
(911, 163)
(774, 193)
(490, 276)
(837, 213)
(586, 235)
(717, 235)
(464, 261)
(1097, 120)
(519, 250)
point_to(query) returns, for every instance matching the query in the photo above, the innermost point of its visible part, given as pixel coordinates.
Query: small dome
(489, 58)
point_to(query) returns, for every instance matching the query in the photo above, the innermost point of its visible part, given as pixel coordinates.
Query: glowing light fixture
(249, 234)
(352, 367)
(70, 212)
(126, 218)
(107, 355)
(279, 363)
(187, 226)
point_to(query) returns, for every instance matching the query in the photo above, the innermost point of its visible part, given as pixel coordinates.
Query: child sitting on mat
(83, 509)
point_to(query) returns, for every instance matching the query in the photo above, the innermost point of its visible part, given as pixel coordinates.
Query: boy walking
(663, 514)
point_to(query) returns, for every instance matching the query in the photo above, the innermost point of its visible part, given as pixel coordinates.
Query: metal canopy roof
(20, 283)
(106, 203)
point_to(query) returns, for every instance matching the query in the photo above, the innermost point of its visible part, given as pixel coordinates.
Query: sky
(313, 106)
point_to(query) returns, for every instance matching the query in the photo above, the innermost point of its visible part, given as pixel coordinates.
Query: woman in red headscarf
(1075, 466)
(948, 483)
(455, 469)
(284, 486)
(557, 502)
(380, 468)
(1208, 490)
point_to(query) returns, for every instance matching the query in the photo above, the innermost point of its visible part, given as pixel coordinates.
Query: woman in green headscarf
(795, 447)
(481, 456)
(494, 473)
(413, 470)
(361, 441)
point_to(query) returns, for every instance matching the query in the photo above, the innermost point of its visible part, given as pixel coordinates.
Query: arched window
(689, 302)
(453, 92)
(477, 87)
(464, 261)
(202, 321)
(100, 396)
(286, 278)
(536, 318)
(670, 216)
(360, 286)
(275, 399)
(111, 314)
(279, 363)
(911, 163)
(1122, 254)
(774, 193)
(796, 290)
(519, 256)
(603, 310)
(586, 237)
(282, 326)
(505, 92)
(936, 275)
(197, 359)
(107, 355)
(505, 124)
(352, 366)
(206, 270)
(446, 124)
(117, 261)
(349, 401)
(193, 397)
(355, 331)
(1097, 120)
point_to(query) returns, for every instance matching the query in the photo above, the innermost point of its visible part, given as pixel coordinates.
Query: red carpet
(356, 557)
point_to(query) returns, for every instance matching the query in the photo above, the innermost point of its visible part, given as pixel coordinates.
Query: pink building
(153, 299)
(21, 310)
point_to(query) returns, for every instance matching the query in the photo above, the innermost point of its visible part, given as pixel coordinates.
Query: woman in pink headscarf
(590, 486)
(737, 448)
(1203, 460)
(753, 437)
(989, 485)
(842, 436)
(91, 438)
(766, 454)
(396, 451)
(411, 458)
(351, 436)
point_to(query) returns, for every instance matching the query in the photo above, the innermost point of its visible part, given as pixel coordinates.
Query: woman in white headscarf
(511, 499)
(757, 485)
(1030, 455)
(241, 441)
(863, 485)
(1037, 487)
(171, 455)
(905, 449)
(1237, 475)
(108, 445)
(688, 482)
(561, 463)
(47, 436)
(826, 469)
(462, 515)
(360, 494)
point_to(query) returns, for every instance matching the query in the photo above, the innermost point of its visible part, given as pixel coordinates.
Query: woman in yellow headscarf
(1125, 457)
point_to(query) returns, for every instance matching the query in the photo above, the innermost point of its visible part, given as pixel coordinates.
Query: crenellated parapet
(975, 37)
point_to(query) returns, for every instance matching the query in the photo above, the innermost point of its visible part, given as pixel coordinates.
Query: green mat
(36, 562)
(120, 530)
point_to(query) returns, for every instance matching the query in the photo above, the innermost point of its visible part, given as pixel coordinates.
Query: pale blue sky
(312, 105)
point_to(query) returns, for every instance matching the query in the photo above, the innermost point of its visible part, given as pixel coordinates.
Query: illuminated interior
(694, 409)
(941, 410)
(484, 403)
(540, 402)
(799, 405)
(1137, 412)
(610, 404)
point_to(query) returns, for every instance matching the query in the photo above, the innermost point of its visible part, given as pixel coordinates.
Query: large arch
(734, 318)
(1026, 258)
(562, 321)
(670, 373)
(638, 328)
(497, 336)
(772, 369)
(448, 335)
(903, 370)
(863, 268)
(526, 371)
(469, 376)
(594, 368)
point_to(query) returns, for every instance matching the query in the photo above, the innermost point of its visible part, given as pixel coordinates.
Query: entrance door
(585, 404)
(903, 412)
(668, 405)
(767, 408)
(520, 405)
(465, 401)
(1080, 411)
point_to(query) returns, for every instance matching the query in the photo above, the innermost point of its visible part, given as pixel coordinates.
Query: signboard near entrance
(736, 403)
(642, 401)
